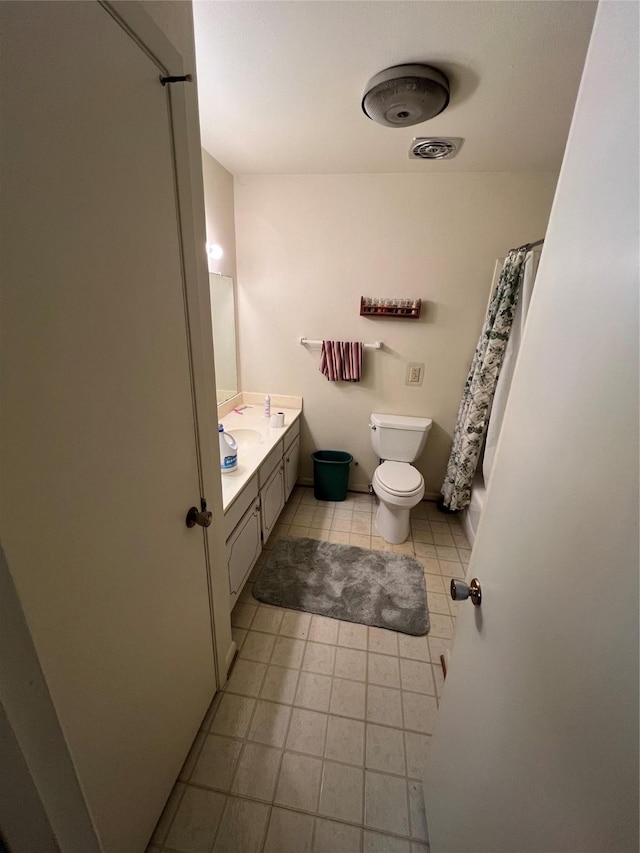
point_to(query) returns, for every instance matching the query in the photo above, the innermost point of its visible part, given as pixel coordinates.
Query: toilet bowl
(399, 487)
(398, 440)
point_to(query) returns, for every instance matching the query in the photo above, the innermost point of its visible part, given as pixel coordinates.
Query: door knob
(202, 517)
(460, 591)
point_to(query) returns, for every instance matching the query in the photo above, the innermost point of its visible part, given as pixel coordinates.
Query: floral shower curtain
(475, 406)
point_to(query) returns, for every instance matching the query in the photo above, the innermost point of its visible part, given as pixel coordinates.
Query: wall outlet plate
(415, 373)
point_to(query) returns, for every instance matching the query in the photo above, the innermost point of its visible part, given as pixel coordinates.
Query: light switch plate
(415, 373)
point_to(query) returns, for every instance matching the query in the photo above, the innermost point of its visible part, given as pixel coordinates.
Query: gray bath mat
(377, 588)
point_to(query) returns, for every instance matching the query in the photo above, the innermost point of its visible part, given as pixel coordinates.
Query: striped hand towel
(341, 360)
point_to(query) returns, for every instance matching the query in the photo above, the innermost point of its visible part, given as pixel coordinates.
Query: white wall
(310, 246)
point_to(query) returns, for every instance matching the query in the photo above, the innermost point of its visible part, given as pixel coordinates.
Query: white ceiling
(280, 83)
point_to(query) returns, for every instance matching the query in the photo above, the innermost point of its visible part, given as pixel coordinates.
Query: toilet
(397, 441)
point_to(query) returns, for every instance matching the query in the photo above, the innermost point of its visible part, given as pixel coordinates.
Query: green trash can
(331, 474)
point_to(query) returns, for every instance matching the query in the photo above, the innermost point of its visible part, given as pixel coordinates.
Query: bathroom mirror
(223, 321)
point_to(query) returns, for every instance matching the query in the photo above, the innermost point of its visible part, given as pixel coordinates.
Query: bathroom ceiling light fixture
(435, 147)
(214, 251)
(405, 94)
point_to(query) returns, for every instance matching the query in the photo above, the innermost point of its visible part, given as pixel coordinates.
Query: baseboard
(364, 489)
(232, 651)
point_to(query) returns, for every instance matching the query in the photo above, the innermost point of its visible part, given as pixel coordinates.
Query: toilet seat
(399, 478)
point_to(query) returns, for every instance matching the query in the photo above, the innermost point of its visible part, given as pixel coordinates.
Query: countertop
(252, 453)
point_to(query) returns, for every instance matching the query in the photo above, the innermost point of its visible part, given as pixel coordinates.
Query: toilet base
(393, 523)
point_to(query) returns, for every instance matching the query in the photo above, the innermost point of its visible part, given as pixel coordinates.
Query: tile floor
(318, 742)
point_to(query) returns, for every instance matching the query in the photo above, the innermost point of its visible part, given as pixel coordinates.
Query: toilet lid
(399, 477)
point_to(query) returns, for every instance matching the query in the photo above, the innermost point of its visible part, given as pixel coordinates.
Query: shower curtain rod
(533, 245)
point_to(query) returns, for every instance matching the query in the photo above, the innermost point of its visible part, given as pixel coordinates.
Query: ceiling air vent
(435, 147)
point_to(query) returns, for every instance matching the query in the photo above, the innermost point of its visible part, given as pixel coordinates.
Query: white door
(99, 463)
(536, 744)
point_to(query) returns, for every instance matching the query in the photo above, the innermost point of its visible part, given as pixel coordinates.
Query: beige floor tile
(242, 827)
(242, 615)
(289, 832)
(383, 670)
(318, 533)
(299, 782)
(423, 536)
(438, 604)
(350, 663)
(339, 537)
(376, 842)
(417, 751)
(352, 636)
(417, 676)
(437, 647)
(417, 816)
(319, 657)
(288, 652)
(341, 792)
(448, 554)
(257, 647)
(299, 530)
(332, 837)
(238, 635)
(434, 583)
(441, 626)
(307, 732)
(246, 678)
(347, 698)
(257, 771)
(233, 715)
(360, 540)
(324, 630)
(382, 641)
(419, 712)
(345, 740)
(443, 539)
(415, 648)
(314, 691)
(379, 544)
(217, 762)
(196, 821)
(295, 624)
(386, 804)
(384, 706)
(423, 549)
(342, 525)
(385, 750)
(269, 723)
(342, 513)
(280, 684)
(267, 619)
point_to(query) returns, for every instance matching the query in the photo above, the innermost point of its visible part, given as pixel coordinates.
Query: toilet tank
(398, 438)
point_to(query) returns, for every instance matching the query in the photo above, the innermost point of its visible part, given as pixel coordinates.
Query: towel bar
(311, 343)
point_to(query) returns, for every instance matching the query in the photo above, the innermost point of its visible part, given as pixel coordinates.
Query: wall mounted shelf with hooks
(408, 309)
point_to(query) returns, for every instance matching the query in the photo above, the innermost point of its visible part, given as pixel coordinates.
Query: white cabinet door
(291, 465)
(243, 549)
(272, 499)
(99, 463)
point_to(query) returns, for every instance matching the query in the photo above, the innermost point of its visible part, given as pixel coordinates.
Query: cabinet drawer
(238, 508)
(272, 500)
(292, 433)
(270, 464)
(243, 548)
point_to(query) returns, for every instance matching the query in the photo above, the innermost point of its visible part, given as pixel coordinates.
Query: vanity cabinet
(250, 519)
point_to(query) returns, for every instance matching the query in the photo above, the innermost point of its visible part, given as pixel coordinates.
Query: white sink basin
(246, 438)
